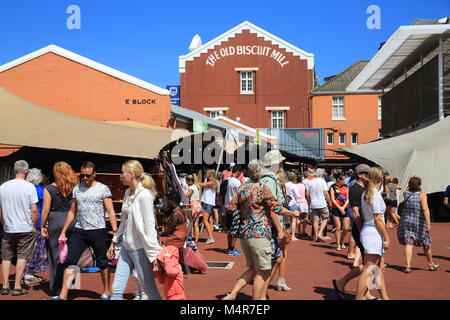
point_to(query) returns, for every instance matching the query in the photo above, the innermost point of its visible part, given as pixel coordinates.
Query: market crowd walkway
(311, 267)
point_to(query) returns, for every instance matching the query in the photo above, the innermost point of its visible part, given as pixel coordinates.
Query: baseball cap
(273, 157)
(362, 168)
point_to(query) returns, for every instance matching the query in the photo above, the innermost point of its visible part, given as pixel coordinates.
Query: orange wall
(61, 84)
(361, 114)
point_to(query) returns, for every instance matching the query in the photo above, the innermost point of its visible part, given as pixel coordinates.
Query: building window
(379, 108)
(246, 82)
(342, 138)
(277, 119)
(215, 114)
(354, 138)
(338, 108)
(330, 138)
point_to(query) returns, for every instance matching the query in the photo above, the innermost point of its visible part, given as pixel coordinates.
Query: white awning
(390, 58)
(23, 123)
(424, 152)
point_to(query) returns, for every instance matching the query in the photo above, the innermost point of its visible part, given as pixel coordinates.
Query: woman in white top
(374, 237)
(210, 187)
(137, 233)
(292, 190)
(194, 194)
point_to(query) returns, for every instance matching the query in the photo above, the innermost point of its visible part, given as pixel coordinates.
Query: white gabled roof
(87, 62)
(253, 29)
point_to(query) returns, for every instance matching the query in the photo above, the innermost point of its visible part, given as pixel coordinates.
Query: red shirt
(340, 194)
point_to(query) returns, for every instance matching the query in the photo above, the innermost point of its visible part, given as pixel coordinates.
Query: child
(168, 271)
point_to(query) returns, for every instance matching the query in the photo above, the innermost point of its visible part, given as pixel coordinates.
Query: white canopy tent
(424, 152)
(23, 123)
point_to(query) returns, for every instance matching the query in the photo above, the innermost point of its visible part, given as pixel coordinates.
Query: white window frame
(345, 138)
(215, 114)
(354, 134)
(277, 115)
(332, 138)
(338, 108)
(379, 107)
(246, 82)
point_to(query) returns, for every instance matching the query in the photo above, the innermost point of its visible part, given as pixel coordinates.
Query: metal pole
(441, 80)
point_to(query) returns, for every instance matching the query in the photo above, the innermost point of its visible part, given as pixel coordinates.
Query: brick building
(348, 117)
(250, 75)
(61, 80)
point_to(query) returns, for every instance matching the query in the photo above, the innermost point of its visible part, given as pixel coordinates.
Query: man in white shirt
(319, 201)
(233, 185)
(19, 216)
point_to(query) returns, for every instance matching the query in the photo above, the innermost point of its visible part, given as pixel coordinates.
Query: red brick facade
(281, 81)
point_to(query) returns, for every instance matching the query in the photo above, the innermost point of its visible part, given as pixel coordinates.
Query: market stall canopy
(23, 123)
(424, 152)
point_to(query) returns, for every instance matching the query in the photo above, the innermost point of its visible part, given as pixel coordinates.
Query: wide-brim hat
(273, 157)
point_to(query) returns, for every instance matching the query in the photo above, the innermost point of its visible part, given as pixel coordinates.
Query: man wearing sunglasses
(90, 201)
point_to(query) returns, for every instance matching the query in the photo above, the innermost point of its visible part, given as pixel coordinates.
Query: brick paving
(311, 267)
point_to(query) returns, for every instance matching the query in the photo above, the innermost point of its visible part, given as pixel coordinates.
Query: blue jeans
(129, 260)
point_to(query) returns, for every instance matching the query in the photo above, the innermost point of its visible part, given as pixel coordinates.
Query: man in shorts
(319, 201)
(19, 216)
(90, 199)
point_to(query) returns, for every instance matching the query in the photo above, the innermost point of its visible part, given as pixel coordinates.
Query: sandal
(407, 270)
(433, 267)
(339, 249)
(5, 291)
(19, 292)
(339, 293)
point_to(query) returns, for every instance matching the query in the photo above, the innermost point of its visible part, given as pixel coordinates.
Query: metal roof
(404, 45)
(339, 83)
(190, 115)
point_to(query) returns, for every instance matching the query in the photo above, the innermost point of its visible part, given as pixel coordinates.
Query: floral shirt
(254, 200)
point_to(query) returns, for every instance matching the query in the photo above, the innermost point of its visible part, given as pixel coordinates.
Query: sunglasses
(83, 175)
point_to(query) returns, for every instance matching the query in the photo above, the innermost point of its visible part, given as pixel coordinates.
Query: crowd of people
(47, 227)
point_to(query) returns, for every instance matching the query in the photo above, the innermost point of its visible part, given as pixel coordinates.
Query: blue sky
(145, 38)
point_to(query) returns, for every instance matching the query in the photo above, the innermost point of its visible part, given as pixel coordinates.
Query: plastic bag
(62, 249)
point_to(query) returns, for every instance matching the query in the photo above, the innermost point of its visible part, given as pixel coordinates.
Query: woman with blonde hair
(374, 236)
(57, 202)
(137, 233)
(210, 188)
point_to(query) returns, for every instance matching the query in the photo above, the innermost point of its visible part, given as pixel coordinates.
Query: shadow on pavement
(435, 257)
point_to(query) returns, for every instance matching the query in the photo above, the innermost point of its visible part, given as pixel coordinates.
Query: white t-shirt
(209, 195)
(316, 187)
(16, 198)
(292, 191)
(91, 206)
(233, 185)
(377, 206)
(195, 196)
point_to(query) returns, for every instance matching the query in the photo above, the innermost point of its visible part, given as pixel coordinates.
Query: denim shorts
(207, 207)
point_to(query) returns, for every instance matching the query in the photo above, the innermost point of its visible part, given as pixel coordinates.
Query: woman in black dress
(57, 201)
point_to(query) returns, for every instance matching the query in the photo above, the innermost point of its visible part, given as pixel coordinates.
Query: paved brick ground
(311, 267)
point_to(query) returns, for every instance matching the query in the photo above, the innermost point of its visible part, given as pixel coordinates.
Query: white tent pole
(441, 80)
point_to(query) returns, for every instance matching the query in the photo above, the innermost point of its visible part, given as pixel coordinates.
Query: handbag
(402, 204)
(234, 231)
